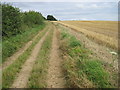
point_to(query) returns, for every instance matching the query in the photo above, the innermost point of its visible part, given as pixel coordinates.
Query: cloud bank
(73, 10)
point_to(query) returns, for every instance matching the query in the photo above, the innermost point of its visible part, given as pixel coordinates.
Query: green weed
(74, 42)
(80, 68)
(95, 73)
(63, 35)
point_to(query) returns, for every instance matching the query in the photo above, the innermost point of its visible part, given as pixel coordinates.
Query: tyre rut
(55, 78)
(14, 57)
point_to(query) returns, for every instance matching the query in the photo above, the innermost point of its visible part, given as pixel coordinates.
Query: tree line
(14, 21)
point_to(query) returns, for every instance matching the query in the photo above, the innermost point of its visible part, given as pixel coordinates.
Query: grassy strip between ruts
(80, 69)
(38, 74)
(10, 73)
(12, 44)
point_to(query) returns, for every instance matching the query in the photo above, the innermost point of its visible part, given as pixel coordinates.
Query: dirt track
(22, 79)
(14, 57)
(55, 75)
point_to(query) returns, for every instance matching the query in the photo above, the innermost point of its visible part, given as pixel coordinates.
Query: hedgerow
(11, 20)
(14, 21)
(18, 28)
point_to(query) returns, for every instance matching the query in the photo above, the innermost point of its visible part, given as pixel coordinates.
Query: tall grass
(38, 75)
(12, 44)
(80, 69)
(10, 73)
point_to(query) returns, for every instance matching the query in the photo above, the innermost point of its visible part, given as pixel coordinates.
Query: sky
(60, 0)
(92, 10)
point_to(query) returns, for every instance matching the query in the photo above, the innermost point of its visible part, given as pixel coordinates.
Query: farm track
(55, 78)
(14, 57)
(101, 52)
(24, 74)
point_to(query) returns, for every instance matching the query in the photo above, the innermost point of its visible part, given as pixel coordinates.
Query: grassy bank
(9, 74)
(14, 43)
(38, 75)
(81, 70)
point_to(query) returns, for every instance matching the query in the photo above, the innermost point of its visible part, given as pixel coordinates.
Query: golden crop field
(104, 32)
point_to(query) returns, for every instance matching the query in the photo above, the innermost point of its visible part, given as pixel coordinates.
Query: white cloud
(84, 19)
(93, 6)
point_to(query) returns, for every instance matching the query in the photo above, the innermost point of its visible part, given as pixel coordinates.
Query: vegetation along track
(99, 51)
(94, 51)
(81, 70)
(22, 79)
(10, 73)
(14, 57)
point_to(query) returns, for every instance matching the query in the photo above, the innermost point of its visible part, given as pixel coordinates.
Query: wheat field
(103, 32)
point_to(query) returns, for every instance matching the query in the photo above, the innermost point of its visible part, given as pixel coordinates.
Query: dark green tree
(51, 18)
(32, 17)
(11, 20)
(15, 22)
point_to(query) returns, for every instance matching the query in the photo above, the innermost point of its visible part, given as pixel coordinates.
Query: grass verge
(82, 70)
(12, 44)
(38, 75)
(9, 74)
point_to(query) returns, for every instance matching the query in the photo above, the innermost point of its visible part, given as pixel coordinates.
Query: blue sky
(73, 10)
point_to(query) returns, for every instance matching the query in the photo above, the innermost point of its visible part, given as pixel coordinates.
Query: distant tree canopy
(51, 18)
